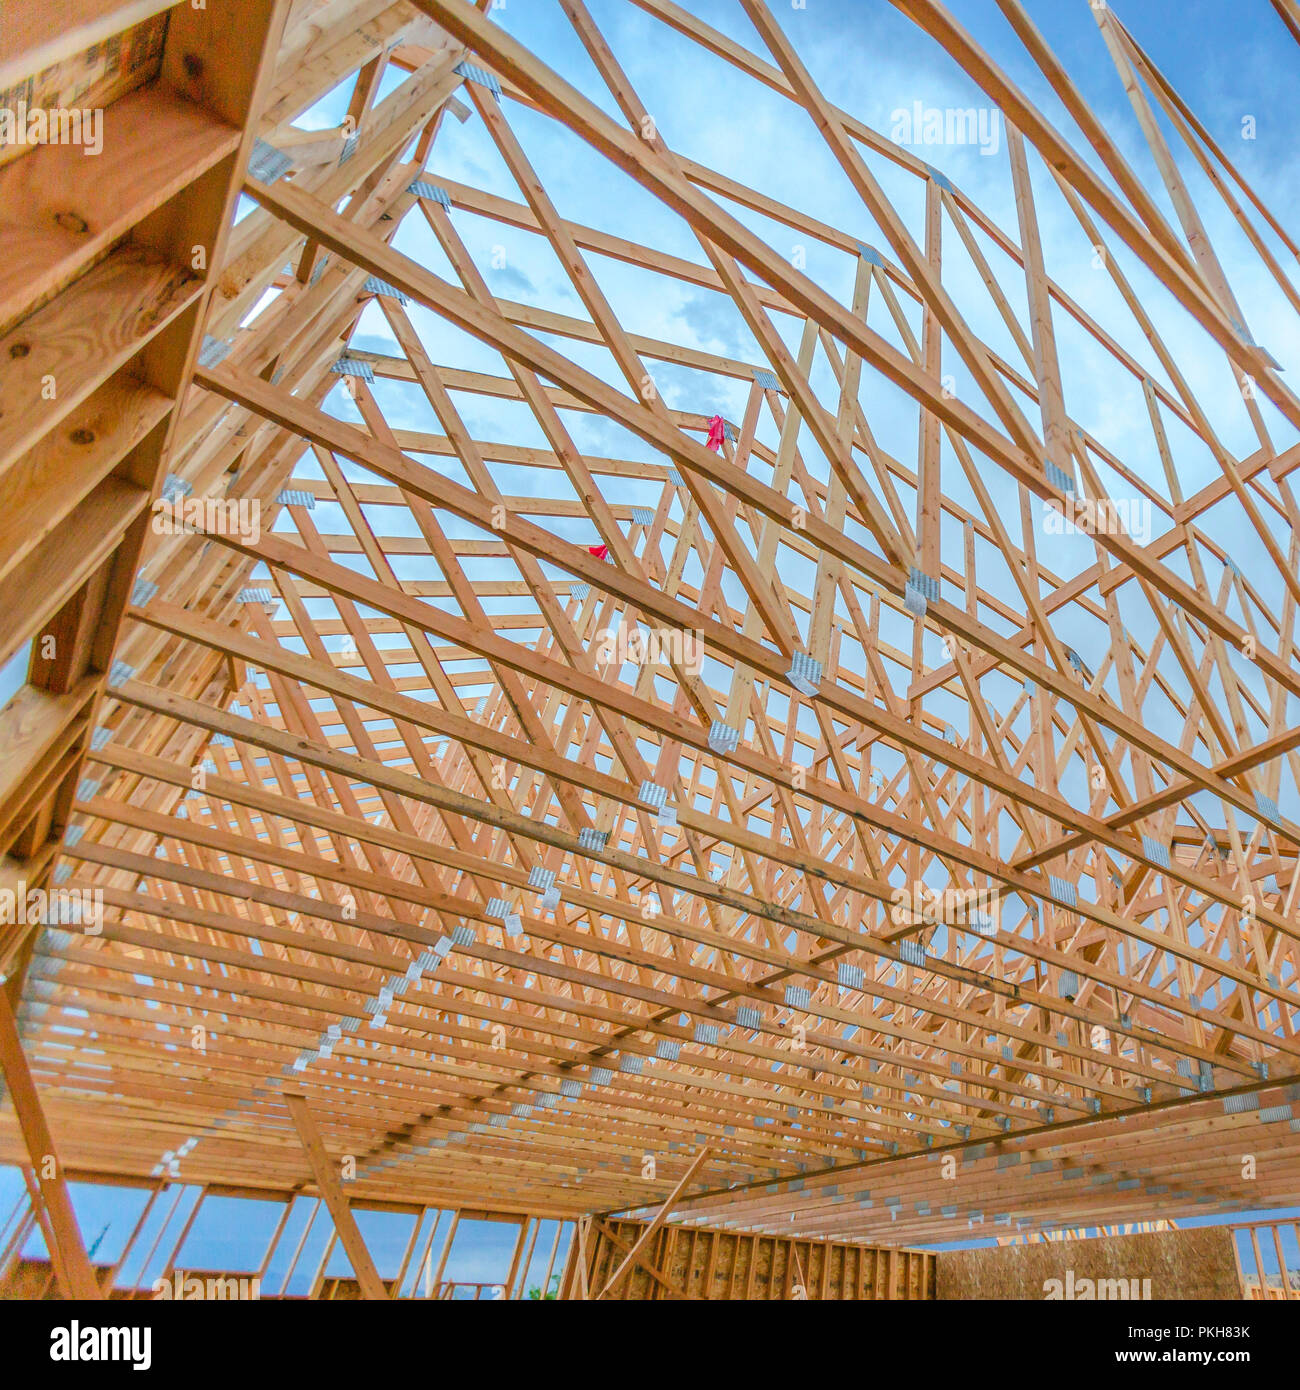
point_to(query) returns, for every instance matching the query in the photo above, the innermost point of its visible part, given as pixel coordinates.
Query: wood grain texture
(61, 208)
(1181, 1265)
(56, 358)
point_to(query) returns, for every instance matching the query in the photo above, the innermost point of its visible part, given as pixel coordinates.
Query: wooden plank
(656, 1221)
(63, 210)
(57, 567)
(331, 1190)
(129, 298)
(67, 1246)
(43, 488)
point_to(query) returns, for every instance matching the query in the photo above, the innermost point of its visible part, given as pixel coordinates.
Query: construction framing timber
(481, 754)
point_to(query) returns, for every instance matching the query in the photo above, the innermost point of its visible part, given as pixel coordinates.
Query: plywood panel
(1179, 1264)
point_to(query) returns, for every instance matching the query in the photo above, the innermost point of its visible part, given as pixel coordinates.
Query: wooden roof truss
(373, 819)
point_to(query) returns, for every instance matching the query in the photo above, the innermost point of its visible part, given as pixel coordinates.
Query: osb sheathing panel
(30, 1279)
(723, 1265)
(341, 1289)
(95, 78)
(1180, 1264)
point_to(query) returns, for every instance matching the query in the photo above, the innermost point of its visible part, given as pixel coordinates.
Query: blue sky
(232, 1234)
(874, 62)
